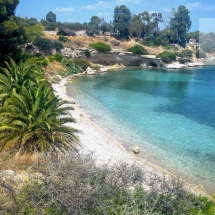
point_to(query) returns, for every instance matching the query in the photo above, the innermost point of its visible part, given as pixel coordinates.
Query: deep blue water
(169, 113)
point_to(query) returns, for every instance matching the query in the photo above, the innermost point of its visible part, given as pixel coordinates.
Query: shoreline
(106, 148)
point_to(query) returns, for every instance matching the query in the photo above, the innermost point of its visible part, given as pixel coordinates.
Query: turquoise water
(169, 114)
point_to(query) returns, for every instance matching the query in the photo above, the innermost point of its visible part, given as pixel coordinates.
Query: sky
(82, 10)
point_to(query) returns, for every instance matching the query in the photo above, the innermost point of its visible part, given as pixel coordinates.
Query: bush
(200, 54)
(57, 45)
(138, 50)
(81, 64)
(100, 46)
(63, 39)
(115, 42)
(72, 184)
(43, 43)
(57, 57)
(40, 61)
(186, 53)
(70, 65)
(183, 60)
(87, 53)
(66, 32)
(167, 57)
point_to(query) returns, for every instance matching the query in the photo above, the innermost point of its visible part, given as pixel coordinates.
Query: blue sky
(82, 10)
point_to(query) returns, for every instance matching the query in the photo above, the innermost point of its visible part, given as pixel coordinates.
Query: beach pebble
(135, 150)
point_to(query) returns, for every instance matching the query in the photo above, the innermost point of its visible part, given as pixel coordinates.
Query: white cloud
(99, 5)
(193, 5)
(64, 9)
(89, 7)
(103, 4)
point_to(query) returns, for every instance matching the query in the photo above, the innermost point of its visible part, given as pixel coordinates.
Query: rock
(103, 70)
(135, 150)
(90, 71)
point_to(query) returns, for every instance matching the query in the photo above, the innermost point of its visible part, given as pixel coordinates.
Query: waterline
(168, 114)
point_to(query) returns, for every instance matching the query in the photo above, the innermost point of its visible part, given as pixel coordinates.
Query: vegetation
(87, 53)
(32, 118)
(122, 17)
(115, 42)
(186, 53)
(100, 46)
(167, 57)
(138, 50)
(200, 54)
(207, 42)
(47, 45)
(71, 184)
(69, 65)
(63, 39)
(51, 17)
(81, 64)
(180, 24)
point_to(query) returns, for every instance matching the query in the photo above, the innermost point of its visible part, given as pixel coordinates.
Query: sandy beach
(104, 147)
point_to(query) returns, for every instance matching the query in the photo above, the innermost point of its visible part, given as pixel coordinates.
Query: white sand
(96, 140)
(104, 147)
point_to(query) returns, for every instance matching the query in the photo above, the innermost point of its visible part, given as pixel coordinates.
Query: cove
(168, 113)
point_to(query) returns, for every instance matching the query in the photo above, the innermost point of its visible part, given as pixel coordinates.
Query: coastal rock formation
(126, 58)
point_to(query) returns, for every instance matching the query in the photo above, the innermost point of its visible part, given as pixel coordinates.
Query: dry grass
(55, 66)
(17, 163)
(84, 41)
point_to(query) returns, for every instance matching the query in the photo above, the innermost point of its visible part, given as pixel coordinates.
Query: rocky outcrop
(127, 59)
(74, 53)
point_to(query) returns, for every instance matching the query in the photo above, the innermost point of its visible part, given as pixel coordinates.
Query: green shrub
(70, 65)
(40, 61)
(43, 43)
(81, 64)
(78, 186)
(167, 57)
(57, 57)
(100, 46)
(137, 49)
(66, 32)
(57, 45)
(115, 42)
(63, 39)
(183, 60)
(87, 53)
(186, 53)
(200, 54)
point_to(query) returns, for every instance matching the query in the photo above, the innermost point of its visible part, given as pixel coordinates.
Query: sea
(169, 114)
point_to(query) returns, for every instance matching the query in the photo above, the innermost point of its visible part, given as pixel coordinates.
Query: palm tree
(13, 77)
(32, 118)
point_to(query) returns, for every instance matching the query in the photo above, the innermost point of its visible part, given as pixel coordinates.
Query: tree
(122, 17)
(33, 32)
(136, 26)
(32, 118)
(180, 24)
(13, 77)
(7, 9)
(11, 35)
(51, 17)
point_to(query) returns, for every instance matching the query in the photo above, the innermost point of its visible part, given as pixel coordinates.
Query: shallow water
(169, 114)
